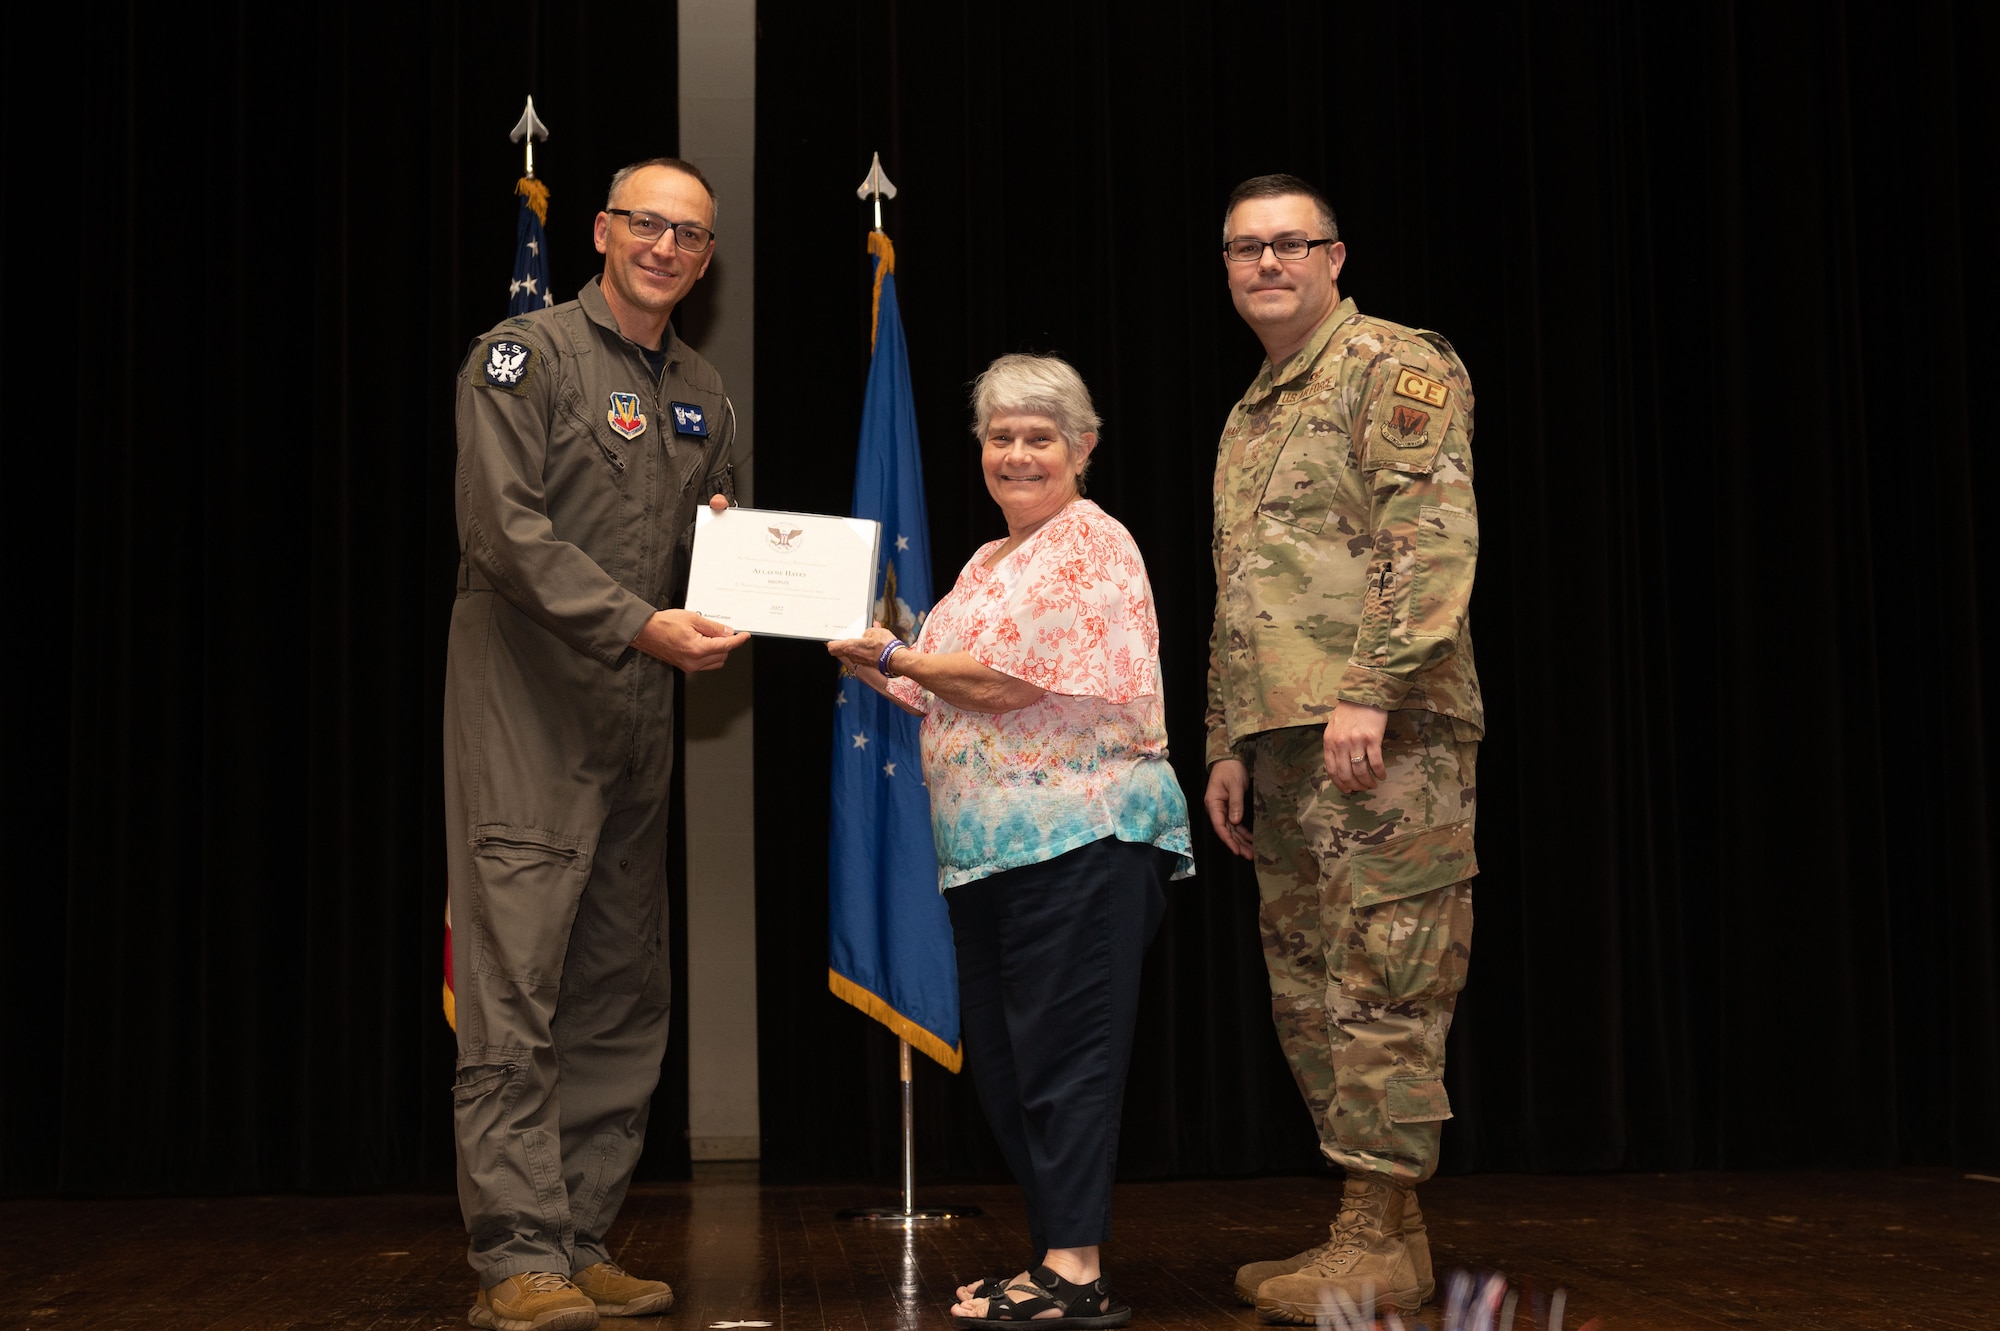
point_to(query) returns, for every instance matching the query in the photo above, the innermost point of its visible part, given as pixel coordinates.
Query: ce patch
(1413, 385)
(690, 419)
(508, 366)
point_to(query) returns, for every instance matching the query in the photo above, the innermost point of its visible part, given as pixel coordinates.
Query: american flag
(530, 288)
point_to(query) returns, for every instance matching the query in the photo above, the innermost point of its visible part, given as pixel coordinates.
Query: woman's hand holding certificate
(792, 575)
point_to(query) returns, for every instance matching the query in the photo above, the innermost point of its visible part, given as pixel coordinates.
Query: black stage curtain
(1709, 266)
(246, 247)
(1711, 270)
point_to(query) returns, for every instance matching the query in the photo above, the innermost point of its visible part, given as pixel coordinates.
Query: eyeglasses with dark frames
(689, 237)
(1291, 249)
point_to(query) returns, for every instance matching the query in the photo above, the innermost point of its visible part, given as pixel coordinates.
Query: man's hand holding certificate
(792, 575)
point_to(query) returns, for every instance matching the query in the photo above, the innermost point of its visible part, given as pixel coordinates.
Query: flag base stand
(908, 1211)
(895, 1213)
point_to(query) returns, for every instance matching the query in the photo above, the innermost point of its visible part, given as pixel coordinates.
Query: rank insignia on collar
(625, 416)
(506, 365)
(690, 420)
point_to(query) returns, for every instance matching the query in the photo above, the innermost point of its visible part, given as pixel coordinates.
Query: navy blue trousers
(1048, 993)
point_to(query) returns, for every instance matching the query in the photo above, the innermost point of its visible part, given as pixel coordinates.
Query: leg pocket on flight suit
(529, 883)
(483, 1079)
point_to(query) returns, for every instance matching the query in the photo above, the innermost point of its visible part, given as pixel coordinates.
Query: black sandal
(993, 1287)
(1083, 1307)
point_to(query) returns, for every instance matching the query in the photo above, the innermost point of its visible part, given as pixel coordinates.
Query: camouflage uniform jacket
(1345, 535)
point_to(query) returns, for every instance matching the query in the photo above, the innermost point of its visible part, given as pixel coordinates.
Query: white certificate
(793, 575)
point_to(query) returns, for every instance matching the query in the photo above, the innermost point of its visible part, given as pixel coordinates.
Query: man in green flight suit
(1344, 713)
(588, 434)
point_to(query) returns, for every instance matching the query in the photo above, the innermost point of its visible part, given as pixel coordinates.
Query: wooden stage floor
(1674, 1252)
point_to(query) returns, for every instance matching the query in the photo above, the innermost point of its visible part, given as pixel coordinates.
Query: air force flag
(890, 949)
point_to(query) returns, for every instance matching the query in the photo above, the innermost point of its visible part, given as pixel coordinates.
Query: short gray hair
(625, 173)
(1045, 385)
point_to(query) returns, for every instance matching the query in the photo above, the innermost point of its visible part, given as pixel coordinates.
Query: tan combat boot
(1415, 1237)
(534, 1301)
(1418, 1240)
(1366, 1261)
(619, 1293)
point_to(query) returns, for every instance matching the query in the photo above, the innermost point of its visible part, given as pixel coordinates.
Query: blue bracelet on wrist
(882, 661)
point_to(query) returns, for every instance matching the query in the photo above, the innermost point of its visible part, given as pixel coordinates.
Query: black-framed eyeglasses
(689, 237)
(1291, 248)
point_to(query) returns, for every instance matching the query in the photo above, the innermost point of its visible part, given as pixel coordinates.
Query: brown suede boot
(619, 1293)
(1418, 1240)
(1366, 1261)
(534, 1301)
(1415, 1237)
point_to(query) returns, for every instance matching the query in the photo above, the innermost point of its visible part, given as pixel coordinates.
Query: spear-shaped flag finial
(529, 127)
(530, 289)
(876, 187)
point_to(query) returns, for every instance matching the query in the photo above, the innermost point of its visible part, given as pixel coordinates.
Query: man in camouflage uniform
(1342, 693)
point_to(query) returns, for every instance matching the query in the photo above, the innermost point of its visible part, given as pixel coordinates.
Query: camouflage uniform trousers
(1366, 911)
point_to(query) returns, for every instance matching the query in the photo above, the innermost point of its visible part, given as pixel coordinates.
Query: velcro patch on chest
(508, 366)
(690, 419)
(1410, 384)
(625, 416)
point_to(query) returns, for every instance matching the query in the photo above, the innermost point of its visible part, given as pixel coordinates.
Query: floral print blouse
(1070, 611)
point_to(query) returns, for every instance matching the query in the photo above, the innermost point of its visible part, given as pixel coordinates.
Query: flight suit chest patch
(690, 419)
(625, 416)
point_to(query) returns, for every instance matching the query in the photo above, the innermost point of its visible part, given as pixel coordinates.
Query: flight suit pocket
(610, 448)
(1420, 862)
(529, 881)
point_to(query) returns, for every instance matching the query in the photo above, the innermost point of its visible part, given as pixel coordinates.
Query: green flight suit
(579, 471)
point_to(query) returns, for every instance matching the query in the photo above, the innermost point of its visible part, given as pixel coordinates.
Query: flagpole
(530, 271)
(530, 128)
(876, 188)
(909, 1131)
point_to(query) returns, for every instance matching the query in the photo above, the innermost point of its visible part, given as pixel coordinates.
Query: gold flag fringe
(950, 1058)
(538, 197)
(878, 244)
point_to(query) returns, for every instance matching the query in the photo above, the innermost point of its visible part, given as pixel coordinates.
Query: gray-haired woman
(1057, 818)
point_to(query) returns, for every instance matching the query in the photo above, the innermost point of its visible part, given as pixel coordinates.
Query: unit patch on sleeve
(508, 365)
(1411, 384)
(625, 416)
(1408, 423)
(690, 420)
(1401, 436)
